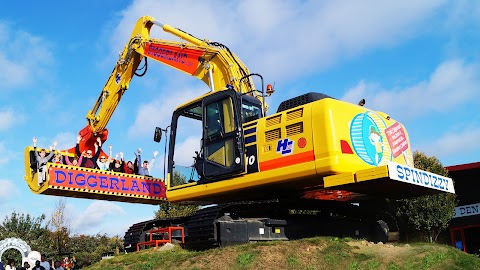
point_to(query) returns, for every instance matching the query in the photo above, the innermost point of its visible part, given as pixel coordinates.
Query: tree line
(52, 238)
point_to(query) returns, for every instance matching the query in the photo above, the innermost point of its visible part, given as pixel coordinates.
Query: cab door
(223, 147)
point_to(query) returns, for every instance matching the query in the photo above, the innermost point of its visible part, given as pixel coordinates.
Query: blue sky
(417, 60)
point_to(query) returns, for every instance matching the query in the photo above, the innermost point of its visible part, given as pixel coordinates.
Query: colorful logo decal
(397, 139)
(367, 133)
(285, 146)
(118, 77)
(184, 59)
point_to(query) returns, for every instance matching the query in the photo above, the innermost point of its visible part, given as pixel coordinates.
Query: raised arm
(139, 163)
(110, 154)
(67, 160)
(77, 147)
(52, 151)
(98, 147)
(80, 159)
(35, 147)
(150, 166)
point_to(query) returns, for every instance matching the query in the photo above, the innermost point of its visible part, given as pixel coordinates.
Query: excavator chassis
(274, 220)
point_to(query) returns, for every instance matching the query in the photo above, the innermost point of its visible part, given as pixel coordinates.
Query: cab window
(250, 112)
(219, 123)
(188, 135)
(220, 118)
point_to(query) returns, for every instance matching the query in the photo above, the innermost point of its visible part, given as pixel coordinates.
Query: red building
(465, 225)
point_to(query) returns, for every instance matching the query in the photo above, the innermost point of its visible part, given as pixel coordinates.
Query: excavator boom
(211, 62)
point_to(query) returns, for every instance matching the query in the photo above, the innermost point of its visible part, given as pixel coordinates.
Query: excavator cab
(216, 122)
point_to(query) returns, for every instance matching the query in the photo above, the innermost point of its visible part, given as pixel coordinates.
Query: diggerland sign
(71, 177)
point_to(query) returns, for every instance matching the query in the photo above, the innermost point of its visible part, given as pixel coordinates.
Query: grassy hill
(312, 253)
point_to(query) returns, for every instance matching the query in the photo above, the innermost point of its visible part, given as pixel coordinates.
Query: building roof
(463, 167)
(466, 181)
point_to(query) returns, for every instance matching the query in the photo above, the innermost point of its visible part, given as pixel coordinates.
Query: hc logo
(285, 146)
(118, 78)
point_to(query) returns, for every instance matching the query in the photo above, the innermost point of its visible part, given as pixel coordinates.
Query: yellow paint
(325, 123)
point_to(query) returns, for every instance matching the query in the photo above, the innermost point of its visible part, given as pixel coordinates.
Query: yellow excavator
(314, 153)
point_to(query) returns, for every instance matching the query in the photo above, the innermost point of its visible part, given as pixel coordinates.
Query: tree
(30, 229)
(91, 247)
(57, 241)
(60, 228)
(172, 210)
(429, 214)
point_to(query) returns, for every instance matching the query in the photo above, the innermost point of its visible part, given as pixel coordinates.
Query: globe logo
(367, 133)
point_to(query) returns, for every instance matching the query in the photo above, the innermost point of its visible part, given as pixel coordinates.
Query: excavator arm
(211, 62)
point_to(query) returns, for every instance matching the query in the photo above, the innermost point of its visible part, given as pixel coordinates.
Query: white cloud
(359, 91)
(452, 83)
(6, 155)
(97, 213)
(122, 225)
(9, 117)
(65, 140)
(7, 189)
(13, 76)
(274, 35)
(47, 101)
(185, 151)
(23, 57)
(159, 111)
(6, 119)
(463, 13)
(455, 143)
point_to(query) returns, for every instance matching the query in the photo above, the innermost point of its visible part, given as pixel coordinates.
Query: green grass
(372, 265)
(245, 259)
(393, 266)
(292, 261)
(312, 253)
(433, 259)
(354, 265)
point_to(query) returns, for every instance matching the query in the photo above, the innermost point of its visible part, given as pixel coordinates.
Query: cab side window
(220, 124)
(214, 121)
(220, 118)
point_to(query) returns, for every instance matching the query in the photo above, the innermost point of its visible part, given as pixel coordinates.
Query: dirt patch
(275, 255)
(219, 259)
(388, 252)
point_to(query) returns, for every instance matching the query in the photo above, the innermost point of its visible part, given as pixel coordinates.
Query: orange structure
(165, 230)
